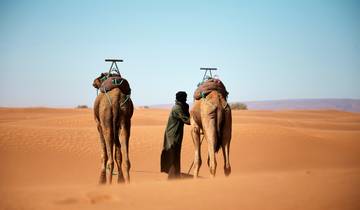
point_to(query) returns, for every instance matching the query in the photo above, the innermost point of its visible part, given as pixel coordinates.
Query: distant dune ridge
(348, 105)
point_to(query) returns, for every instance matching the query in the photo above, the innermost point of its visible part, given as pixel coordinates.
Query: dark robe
(170, 155)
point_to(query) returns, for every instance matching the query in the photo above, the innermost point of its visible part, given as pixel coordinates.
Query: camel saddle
(209, 85)
(112, 81)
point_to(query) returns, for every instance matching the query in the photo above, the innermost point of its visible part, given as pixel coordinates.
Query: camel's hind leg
(108, 135)
(104, 156)
(226, 153)
(211, 136)
(226, 138)
(195, 133)
(118, 160)
(124, 141)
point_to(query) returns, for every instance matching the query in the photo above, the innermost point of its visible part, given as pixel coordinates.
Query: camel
(112, 112)
(212, 116)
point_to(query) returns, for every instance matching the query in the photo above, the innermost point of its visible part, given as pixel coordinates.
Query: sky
(50, 51)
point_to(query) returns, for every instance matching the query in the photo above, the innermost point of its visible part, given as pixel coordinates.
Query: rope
(114, 82)
(127, 98)
(107, 96)
(109, 99)
(208, 102)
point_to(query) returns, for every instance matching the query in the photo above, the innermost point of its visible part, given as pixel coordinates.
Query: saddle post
(207, 70)
(114, 67)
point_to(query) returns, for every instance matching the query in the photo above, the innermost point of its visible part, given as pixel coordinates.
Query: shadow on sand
(186, 176)
(182, 175)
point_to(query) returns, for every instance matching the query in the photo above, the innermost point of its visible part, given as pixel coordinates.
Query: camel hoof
(127, 181)
(227, 171)
(120, 179)
(212, 172)
(102, 179)
(196, 176)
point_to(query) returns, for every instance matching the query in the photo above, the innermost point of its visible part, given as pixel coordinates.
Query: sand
(50, 159)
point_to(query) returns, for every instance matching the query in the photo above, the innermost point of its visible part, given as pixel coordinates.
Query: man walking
(170, 155)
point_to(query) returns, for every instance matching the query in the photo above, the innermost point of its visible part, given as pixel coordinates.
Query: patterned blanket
(109, 82)
(209, 85)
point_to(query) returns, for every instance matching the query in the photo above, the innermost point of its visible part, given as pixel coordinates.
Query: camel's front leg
(195, 133)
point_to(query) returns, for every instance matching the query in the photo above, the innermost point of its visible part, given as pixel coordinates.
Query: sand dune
(50, 159)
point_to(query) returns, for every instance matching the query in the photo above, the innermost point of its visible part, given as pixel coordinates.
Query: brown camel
(212, 115)
(113, 111)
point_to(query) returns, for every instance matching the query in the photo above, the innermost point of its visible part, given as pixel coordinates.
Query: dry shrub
(82, 107)
(238, 106)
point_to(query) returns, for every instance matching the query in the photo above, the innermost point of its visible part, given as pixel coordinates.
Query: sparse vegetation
(238, 106)
(82, 107)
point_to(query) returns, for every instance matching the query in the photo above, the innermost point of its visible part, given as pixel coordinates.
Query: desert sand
(50, 159)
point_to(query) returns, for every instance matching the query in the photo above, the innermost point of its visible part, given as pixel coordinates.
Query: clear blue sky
(50, 51)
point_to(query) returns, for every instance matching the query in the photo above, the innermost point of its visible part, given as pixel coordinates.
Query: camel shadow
(147, 172)
(182, 175)
(188, 176)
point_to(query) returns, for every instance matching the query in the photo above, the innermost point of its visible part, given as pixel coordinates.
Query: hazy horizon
(51, 51)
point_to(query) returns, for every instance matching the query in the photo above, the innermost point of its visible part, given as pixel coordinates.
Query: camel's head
(99, 80)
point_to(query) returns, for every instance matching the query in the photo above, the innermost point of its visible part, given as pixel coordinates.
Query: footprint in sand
(98, 198)
(91, 198)
(67, 201)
